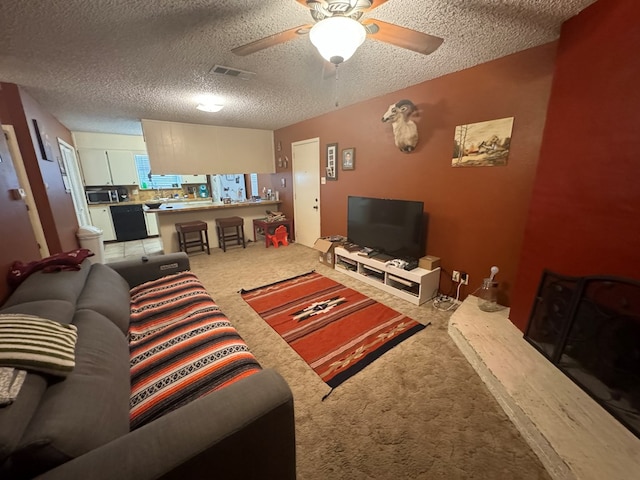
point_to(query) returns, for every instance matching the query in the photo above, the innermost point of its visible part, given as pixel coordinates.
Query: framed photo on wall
(332, 161)
(349, 159)
(45, 147)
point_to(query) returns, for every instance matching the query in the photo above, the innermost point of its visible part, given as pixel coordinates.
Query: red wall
(16, 234)
(58, 216)
(477, 215)
(585, 210)
(54, 204)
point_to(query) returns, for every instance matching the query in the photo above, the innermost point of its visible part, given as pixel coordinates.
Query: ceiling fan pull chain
(337, 102)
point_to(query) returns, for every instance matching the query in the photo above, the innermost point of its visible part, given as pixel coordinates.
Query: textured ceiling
(102, 65)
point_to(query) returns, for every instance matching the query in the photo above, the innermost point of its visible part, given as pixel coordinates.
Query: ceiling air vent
(231, 72)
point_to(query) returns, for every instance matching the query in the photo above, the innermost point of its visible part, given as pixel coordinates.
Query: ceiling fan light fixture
(337, 38)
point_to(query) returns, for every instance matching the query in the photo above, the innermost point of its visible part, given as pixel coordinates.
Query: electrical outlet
(464, 278)
(455, 276)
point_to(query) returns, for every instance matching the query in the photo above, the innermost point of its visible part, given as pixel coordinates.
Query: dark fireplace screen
(589, 327)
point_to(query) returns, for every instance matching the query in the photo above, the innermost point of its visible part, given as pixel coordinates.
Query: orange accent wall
(477, 215)
(585, 210)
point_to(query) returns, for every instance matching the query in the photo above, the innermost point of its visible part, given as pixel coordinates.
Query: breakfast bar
(171, 213)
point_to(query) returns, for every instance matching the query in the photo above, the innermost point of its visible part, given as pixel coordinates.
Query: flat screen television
(396, 228)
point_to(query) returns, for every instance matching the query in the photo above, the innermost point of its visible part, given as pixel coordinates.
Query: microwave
(102, 196)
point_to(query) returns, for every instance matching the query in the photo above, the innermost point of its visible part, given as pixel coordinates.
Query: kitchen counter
(177, 212)
(195, 205)
(169, 201)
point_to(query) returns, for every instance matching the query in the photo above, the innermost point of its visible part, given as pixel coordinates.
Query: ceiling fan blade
(271, 40)
(403, 37)
(376, 4)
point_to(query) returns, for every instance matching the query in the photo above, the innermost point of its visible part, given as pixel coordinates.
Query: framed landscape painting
(482, 144)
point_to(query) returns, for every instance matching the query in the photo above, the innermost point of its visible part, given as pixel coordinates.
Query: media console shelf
(416, 286)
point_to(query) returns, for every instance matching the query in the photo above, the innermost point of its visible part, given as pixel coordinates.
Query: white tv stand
(416, 286)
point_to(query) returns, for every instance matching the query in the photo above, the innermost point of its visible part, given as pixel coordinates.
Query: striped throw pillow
(37, 344)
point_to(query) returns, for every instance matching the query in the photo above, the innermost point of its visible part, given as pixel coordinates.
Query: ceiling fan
(337, 18)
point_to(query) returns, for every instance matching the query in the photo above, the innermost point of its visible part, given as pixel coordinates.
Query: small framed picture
(332, 161)
(43, 142)
(349, 159)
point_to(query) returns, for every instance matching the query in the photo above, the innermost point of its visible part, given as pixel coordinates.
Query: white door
(75, 183)
(21, 172)
(306, 190)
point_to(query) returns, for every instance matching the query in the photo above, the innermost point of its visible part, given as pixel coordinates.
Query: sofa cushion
(107, 293)
(182, 347)
(37, 344)
(14, 418)
(64, 285)
(87, 409)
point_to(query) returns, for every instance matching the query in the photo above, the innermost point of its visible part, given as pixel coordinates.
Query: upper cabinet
(194, 178)
(95, 167)
(108, 167)
(183, 148)
(123, 167)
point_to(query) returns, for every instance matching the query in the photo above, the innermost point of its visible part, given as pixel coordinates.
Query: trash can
(90, 237)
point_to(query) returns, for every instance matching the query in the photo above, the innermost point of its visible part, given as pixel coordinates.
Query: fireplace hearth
(589, 327)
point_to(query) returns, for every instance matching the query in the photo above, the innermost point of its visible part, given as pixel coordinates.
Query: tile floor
(116, 251)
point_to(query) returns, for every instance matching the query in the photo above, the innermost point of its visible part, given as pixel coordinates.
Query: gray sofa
(78, 427)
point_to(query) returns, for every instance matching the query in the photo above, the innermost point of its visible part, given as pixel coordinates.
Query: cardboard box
(325, 247)
(429, 262)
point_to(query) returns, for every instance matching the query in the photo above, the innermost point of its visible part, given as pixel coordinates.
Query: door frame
(76, 185)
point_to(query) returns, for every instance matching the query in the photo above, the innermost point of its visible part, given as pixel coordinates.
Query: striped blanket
(182, 347)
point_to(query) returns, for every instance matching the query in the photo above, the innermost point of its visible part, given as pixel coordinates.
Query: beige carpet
(418, 412)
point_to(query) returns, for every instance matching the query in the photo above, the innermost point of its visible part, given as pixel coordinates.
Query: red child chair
(278, 236)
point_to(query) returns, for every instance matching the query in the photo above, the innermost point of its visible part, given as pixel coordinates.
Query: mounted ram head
(405, 131)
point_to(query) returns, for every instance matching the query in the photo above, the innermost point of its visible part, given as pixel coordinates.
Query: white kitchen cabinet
(202, 179)
(101, 218)
(151, 219)
(123, 167)
(108, 167)
(95, 167)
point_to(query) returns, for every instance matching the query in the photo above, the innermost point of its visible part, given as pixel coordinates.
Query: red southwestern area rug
(335, 329)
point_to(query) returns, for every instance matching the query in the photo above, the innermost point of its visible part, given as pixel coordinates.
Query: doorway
(75, 183)
(306, 190)
(23, 179)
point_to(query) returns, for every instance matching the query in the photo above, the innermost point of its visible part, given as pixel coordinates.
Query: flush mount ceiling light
(210, 107)
(337, 38)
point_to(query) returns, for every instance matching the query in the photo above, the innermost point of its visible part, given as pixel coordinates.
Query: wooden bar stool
(198, 227)
(237, 234)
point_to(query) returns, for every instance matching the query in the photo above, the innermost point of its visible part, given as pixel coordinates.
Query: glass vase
(488, 296)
